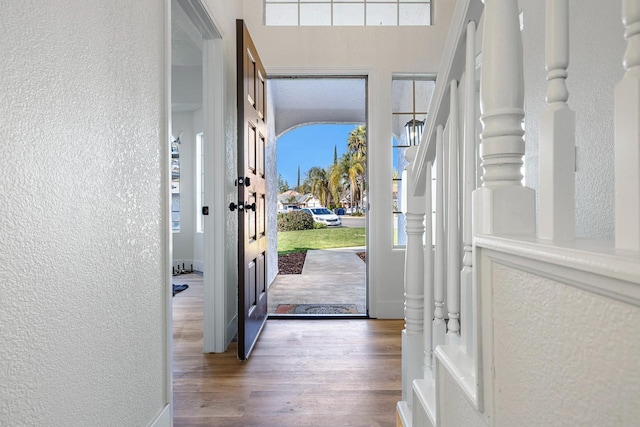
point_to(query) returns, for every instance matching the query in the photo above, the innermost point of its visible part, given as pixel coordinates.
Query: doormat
(178, 288)
(317, 309)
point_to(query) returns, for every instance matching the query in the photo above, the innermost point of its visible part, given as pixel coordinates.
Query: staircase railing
(443, 323)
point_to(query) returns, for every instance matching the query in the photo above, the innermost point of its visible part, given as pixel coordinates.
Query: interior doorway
(198, 163)
(321, 204)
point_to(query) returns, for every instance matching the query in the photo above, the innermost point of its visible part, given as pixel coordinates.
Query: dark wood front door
(252, 233)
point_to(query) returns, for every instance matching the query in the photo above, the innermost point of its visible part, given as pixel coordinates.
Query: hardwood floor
(301, 373)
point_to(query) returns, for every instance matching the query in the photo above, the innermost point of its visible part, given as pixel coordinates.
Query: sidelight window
(411, 98)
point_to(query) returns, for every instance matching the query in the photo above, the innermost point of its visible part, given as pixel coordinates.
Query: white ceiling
(300, 101)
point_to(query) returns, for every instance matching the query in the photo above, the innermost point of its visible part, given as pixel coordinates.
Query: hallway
(301, 373)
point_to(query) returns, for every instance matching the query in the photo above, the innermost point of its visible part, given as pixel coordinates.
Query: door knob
(233, 207)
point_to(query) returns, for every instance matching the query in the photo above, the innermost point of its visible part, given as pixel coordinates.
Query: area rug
(316, 309)
(178, 288)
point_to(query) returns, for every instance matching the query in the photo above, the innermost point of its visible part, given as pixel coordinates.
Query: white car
(324, 216)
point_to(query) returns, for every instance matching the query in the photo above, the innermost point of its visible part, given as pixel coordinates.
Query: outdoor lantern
(413, 130)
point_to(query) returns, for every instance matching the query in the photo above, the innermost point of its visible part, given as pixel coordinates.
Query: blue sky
(310, 146)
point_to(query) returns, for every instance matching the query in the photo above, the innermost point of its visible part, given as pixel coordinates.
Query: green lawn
(324, 238)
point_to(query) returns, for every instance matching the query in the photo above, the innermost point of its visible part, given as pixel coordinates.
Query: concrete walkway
(329, 276)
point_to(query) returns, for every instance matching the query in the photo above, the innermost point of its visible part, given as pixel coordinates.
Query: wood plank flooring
(301, 373)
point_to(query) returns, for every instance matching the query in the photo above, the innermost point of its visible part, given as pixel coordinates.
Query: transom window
(347, 12)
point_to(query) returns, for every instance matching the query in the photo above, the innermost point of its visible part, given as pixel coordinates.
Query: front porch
(329, 276)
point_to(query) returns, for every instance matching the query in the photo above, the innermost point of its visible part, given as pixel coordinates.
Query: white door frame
(214, 325)
(214, 278)
(371, 76)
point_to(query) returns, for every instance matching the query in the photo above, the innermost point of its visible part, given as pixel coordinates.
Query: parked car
(324, 216)
(289, 208)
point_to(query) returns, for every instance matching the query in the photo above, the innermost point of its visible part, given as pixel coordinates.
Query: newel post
(557, 133)
(502, 204)
(627, 134)
(412, 336)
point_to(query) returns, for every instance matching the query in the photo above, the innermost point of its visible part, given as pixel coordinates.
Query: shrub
(317, 225)
(294, 221)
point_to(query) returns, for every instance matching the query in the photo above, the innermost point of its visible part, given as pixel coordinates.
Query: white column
(413, 338)
(557, 133)
(627, 134)
(428, 272)
(439, 325)
(453, 221)
(502, 204)
(469, 178)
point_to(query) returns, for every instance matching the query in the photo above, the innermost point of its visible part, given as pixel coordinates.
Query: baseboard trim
(232, 330)
(390, 310)
(198, 265)
(424, 401)
(403, 414)
(163, 419)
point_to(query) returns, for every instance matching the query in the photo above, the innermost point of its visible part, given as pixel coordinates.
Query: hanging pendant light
(413, 131)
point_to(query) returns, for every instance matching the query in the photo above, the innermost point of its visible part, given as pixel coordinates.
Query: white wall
(198, 238)
(183, 240)
(271, 165)
(84, 180)
(378, 52)
(188, 245)
(597, 47)
(563, 356)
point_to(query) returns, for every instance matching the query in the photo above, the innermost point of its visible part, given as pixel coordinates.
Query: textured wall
(82, 217)
(595, 68)
(562, 356)
(272, 192)
(455, 409)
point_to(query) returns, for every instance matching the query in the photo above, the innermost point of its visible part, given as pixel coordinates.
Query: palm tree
(357, 148)
(357, 141)
(336, 184)
(318, 181)
(346, 174)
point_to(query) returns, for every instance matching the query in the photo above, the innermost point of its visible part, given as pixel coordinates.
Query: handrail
(451, 68)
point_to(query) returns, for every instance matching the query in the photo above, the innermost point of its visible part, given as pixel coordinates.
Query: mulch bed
(292, 263)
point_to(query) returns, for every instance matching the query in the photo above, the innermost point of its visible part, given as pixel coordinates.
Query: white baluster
(413, 338)
(557, 133)
(439, 325)
(469, 171)
(428, 271)
(502, 204)
(453, 222)
(627, 135)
